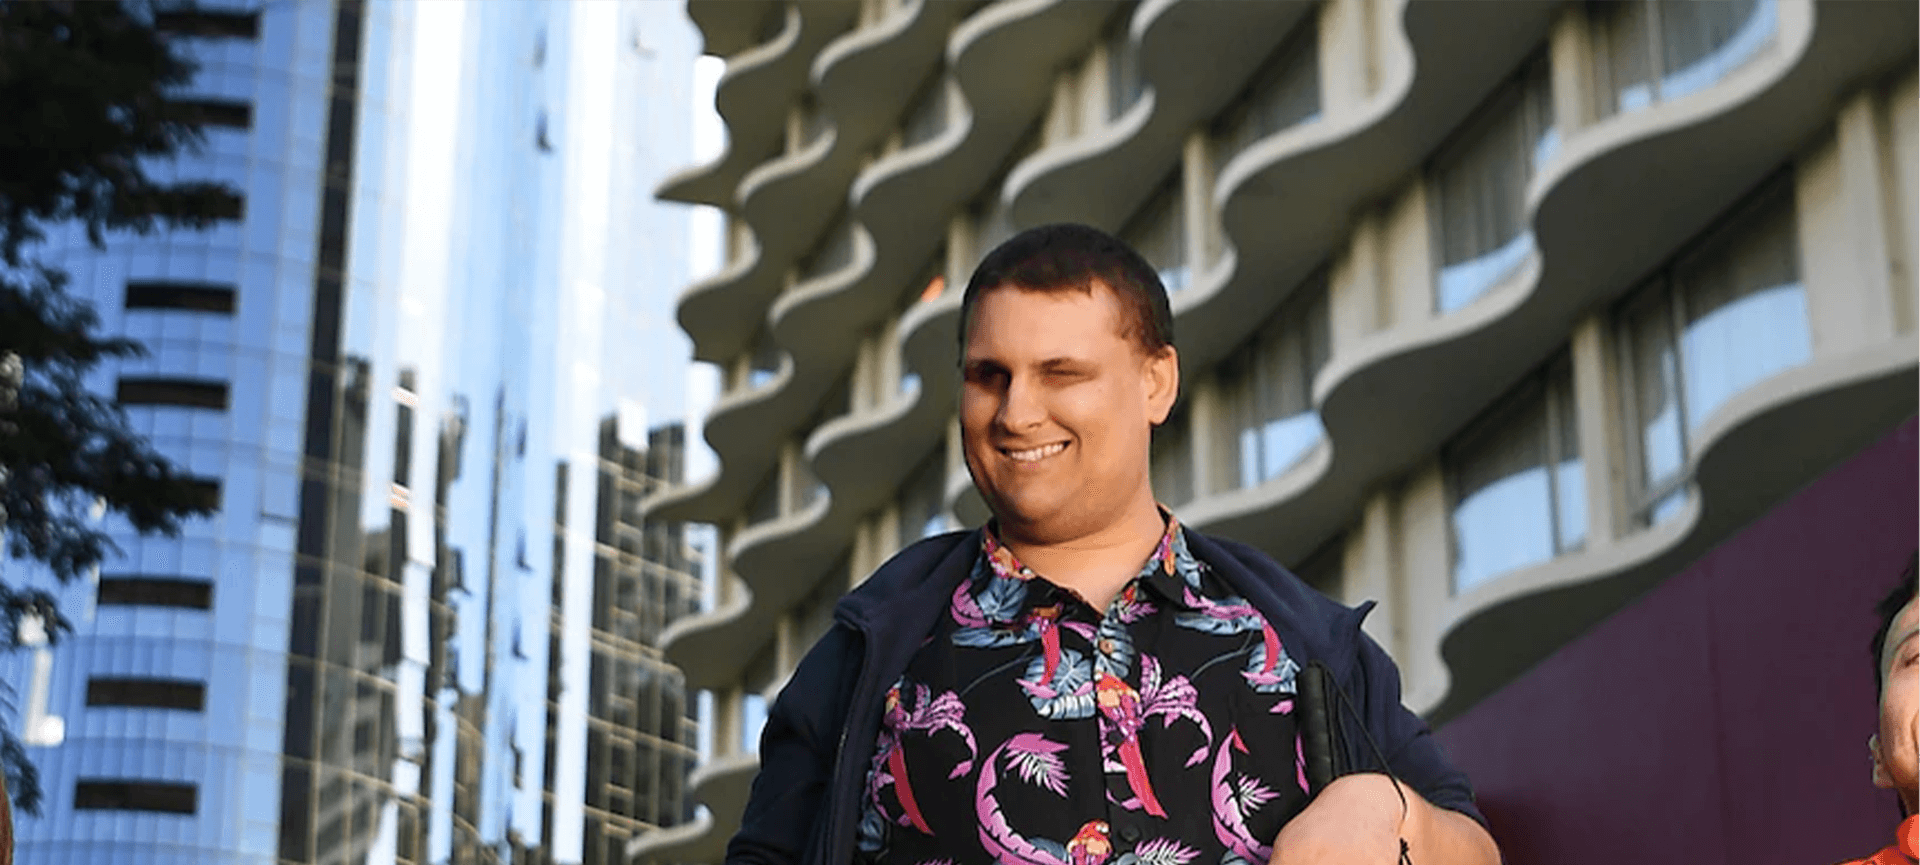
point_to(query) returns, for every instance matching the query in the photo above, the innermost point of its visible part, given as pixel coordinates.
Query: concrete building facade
(1499, 314)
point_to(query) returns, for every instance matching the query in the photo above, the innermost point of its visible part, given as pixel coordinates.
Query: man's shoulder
(914, 566)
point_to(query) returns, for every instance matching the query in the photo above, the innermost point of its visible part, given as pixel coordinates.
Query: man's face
(1896, 748)
(1057, 409)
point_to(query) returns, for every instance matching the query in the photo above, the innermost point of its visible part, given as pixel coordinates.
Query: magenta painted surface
(1722, 718)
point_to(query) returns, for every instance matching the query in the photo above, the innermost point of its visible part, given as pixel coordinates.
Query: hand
(1356, 820)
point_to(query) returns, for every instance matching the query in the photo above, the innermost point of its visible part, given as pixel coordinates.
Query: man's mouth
(1034, 455)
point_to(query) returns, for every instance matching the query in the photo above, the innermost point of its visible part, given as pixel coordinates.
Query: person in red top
(1896, 747)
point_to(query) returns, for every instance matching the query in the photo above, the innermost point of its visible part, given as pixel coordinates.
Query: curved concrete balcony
(697, 840)
(738, 431)
(729, 26)
(723, 785)
(864, 457)
(753, 96)
(705, 646)
(1766, 443)
(779, 561)
(790, 201)
(904, 200)
(722, 314)
(1285, 200)
(865, 78)
(1076, 179)
(1604, 214)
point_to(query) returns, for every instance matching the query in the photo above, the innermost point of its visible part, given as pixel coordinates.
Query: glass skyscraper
(414, 368)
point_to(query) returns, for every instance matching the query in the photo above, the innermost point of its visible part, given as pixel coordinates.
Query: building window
(224, 113)
(160, 796)
(185, 393)
(156, 592)
(764, 363)
(1727, 314)
(1516, 481)
(1480, 187)
(1171, 462)
(208, 23)
(147, 693)
(926, 115)
(1651, 51)
(203, 492)
(1284, 93)
(833, 251)
(1124, 83)
(1267, 421)
(923, 511)
(764, 504)
(1158, 231)
(188, 296)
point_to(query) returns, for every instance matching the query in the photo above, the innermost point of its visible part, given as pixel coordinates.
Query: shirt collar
(1168, 571)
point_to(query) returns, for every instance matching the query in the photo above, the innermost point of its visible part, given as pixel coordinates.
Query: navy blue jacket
(821, 730)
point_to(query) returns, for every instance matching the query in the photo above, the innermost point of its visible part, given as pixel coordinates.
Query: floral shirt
(1032, 728)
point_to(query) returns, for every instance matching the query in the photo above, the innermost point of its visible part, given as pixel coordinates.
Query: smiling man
(1084, 681)
(1895, 746)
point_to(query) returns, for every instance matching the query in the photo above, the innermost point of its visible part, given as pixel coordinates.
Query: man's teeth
(1038, 453)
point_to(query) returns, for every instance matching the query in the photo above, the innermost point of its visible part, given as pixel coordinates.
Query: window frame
(1516, 404)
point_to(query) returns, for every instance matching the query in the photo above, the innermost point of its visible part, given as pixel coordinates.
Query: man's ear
(1880, 777)
(1162, 373)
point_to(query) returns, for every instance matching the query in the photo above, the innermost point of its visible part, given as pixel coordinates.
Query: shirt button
(1129, 833)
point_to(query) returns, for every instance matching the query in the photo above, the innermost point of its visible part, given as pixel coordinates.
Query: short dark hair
(1889, 609)
(1067, 256)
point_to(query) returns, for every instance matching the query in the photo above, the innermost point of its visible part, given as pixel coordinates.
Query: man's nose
(1023, 408)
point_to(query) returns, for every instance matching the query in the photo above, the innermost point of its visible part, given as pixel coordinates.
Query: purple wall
(1723, 717)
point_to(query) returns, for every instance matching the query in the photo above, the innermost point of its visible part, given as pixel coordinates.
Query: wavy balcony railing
(1076, 179)
(723, 785)
(865, 457)
(1769, 441)
(904, 200)
(721, 316)
(745, 430)
(697, 840)
(756, 76)
(1286, 200)
(900, 49)
(1393, 399)
(703, 646)
(790, 201)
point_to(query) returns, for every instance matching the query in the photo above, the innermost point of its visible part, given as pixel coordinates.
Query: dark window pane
(157, 591)
(147, 693)
(201, 297)
(226, 113)
(189, 393)
(208, 23)
(162, 796)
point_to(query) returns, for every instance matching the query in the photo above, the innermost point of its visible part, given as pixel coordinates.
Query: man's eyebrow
(1059, 363)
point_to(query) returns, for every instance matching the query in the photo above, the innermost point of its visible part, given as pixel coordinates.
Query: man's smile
(1034, 455)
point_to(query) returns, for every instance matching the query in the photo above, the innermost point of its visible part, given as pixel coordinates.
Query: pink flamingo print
(1269, 668)
(1234, 800)
(926, 714)
(1037, 760)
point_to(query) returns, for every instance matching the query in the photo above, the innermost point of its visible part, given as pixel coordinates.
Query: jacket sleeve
(1401, 736)
(798, 745)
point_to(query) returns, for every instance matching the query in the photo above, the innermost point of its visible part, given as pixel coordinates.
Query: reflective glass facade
(429, 312)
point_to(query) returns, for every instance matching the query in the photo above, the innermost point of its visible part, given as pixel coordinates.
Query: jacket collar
(901, 601)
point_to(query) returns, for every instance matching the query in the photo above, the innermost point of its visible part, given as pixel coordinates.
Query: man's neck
(1095, 566)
